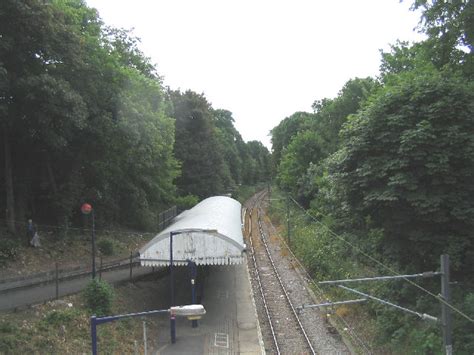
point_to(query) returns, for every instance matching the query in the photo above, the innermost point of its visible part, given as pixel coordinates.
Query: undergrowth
(327, 257)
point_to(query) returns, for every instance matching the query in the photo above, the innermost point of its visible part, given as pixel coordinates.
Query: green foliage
(285, 131)
(87, 113)
(406, 163)
(214, 159)
(258, 159)
(305, 148)
(98, 297)
(308, 139)
(8, 250)
(8, 337)
(203, 172)
(57, 318)
(106, 246)
(394, 174)
(186, 202)
(463, 330)
(450, 29)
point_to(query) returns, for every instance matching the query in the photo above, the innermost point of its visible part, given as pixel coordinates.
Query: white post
(144, 338)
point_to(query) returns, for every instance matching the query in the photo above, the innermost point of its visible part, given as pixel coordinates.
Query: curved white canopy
(209, 234)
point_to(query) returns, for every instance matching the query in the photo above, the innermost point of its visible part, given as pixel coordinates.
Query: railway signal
(86, 209)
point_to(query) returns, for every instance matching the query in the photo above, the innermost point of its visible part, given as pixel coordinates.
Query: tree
(203, 172)
(83, 113)
(305, 148)
(259, 160)
(229, 138)
(406, 164)
(450, 29)
(35, 41)
(331, 114)
(285, 131)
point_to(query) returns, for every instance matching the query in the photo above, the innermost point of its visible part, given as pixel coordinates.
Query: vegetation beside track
(63, 327)
(326, 257)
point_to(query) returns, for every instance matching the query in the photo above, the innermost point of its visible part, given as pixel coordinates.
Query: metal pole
(288, 218)
(94, 335)
(193, 270)
(100, 268)
(423, 316)
(131, 267)
(381, 278)
(172, 317)
(144, 339)
(445, 310)
(330, 304)
(93, 245)
(57, 281)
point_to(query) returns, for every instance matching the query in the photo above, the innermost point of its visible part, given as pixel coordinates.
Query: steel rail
(280, 281)
(262, 293)
(350, 330)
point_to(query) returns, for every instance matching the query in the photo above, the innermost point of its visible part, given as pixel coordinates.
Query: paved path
(21, 297)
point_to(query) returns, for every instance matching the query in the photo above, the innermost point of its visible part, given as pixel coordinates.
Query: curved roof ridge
(217, 216)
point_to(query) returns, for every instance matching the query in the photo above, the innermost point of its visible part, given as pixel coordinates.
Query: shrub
(60, 317)
(98, 296)
(186, 202)
(8, 251)
(8, 337)
(106, 246)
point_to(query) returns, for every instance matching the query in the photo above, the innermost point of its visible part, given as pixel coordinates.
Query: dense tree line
(389, 163)
(84, 116)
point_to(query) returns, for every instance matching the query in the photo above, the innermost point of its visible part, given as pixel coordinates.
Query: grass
(68, 252)
(63, 327)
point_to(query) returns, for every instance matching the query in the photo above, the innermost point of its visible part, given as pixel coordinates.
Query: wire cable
(461, 313)
(349, 328)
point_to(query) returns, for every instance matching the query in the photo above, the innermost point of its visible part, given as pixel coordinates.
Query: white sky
(262, 59)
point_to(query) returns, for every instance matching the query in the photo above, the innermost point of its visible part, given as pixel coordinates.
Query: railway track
(278, 292)
(286, 332)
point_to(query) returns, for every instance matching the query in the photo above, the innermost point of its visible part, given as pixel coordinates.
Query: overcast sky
(262, 59)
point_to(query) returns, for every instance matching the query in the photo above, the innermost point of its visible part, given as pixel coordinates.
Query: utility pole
(288, 218)
(445, 311)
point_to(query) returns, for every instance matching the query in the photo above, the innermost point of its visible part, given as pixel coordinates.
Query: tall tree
(203, 170)
(406, 163)
(450, 29)
(35, 40)
(286, 130)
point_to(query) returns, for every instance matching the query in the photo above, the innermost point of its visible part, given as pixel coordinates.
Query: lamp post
(193, 272)
(87, 209)
(172, 315)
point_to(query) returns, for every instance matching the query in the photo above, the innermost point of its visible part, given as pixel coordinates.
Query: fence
(166, 217)
(40, 287)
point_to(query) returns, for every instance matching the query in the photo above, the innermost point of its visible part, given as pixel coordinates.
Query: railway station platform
(230, 325)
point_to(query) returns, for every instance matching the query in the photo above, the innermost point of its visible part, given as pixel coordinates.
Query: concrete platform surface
(230, 325)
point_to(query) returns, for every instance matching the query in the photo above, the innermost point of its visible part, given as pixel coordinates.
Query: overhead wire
(453, 308)
(349, 328)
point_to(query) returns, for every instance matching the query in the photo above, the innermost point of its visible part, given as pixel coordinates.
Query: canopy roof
(209, 234)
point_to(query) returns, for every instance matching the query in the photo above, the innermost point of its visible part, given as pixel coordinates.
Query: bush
(106, 246)
(186, 202)
(98, 296)
(60, 317)
(8, 251)
(8, 337)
